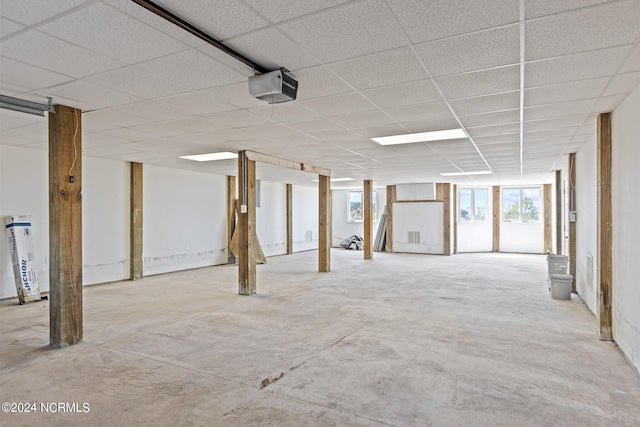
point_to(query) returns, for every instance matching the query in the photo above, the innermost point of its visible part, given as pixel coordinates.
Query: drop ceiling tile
(196, 103)
(285, 112)
(337, 34)
(127, 39)
(193, 69)
(191, 125)
(319, 81)
(550, 124)
(112, 118)
(238, 18)
(108, 151)
(338, 136)
(426, 112)
(466, 85)
(490, 119)
(399, 95)
(271, 130)
(487, 103)
(236, 118)
(534, 135)
(49, 53)
(363, 120)
(315, 125)
(431, 125)
(583, 30)
(379, 131)
(272, 49)
(538, 8)
(137, 82)
(8, 27)
(633, 61)
(436, 19)
(94, 140)
(235, 94)
(623, 83)
(83, 91)
(512, 138)
(583, 89)
(35, 131)
(12, 90)
(381, 69)
(30, 12)
(127, 134)
(282, 10)
(607, 104)
(339, 104)
(581, 66)
(220, 136)
(27, 76)
(560, 109)
(15, 140)
(152, 111)
(159, 129)
(476, 51)
(512, 128)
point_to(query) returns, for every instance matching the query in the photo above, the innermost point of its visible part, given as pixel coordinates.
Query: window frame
(374, 206)
(473, 206)
(521, 198)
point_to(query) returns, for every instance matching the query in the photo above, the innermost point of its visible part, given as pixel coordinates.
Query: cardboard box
(19, 231)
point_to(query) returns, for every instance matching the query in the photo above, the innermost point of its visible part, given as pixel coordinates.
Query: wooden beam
(65, 226)
(231, 216)
(246, 225)
(558, 212)
(605, 229)
(391, 199)
(289, 218)
(277, 161)
(546, 190)
(496, 218)
(455, 218)
(572, 223)
(135, 221)
(315, 169)
(324, 224)
(444, 191)
(368, 219)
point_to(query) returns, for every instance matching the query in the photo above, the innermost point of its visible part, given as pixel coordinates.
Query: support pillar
(368, 223)
(324, 224)
(546, 190)
(455, 218)
(605, 229)
(572, 219)
(246, 225)
(391, 199)
(231, 216)
(496, 218)
(559, 238)
(135, 224)
(289, 219)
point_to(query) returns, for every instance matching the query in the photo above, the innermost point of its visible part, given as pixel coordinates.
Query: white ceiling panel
(153, 112)
(272, 49)
(496, 140)
(196, 103)
(426, 112)
(340, 104)
(538, 8)
(90, 93)
(560, 109)
(502, 79)
(112, 118)
(337, 34)
(11, 119)
(418, 92)
(549, 134)
(557, 123)
(381, 69)
(27, 76)
(623, 83)
(437, 19)
(12, 90)
(581, 66)
(283, 10)
(220, 136)
(489, 119)
(30, 12)
(47, 52)
(138, 82)
(472, 52)
(286, 112)
(271, 131)
(315, 125)
(8, 26)
(363, 120)
(379, 131)
(487, 103)
(94, 140)
(235, 94)
(319, 81)
(431, 125)
(633, 60)
(236, 118)
(127, 134)
(583, 89)
(511, 128)
(607, 104)
(193, 69)
(582, 30)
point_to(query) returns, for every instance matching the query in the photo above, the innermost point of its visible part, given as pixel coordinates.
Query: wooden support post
(572, 222)
(324, 224)
(496, 218)
(455, 218)
(65, 226)
(231, 216)
(135, 221)
(368, 219)
(558, 212)
(446, 198)
(391, 198)
(246, 225)
(547, 218)
(289, 219)
(605, 229)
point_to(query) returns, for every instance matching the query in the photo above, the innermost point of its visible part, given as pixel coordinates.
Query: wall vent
(590, 270)
(414, 236)
(308, 236)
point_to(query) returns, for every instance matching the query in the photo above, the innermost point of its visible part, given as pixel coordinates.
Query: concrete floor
(401, 340)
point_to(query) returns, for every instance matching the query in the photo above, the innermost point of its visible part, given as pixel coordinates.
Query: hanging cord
(76, 122)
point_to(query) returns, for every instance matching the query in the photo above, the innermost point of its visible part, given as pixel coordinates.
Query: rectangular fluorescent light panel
(410, 138)
(212, 156)
(467, 173)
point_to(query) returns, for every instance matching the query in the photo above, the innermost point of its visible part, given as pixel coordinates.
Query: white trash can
(560, 286)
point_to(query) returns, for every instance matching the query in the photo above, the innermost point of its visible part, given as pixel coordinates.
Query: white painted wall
(476, 236)
(587, 221)
(341, 228)
(24, 189)
(271, 218)
(425, 217)
(626, 233)
(184, 217)
(105, 220)
(305, 217)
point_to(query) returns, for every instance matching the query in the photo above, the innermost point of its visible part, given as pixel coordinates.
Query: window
(355, 205)
(521, 204)
(472, 204)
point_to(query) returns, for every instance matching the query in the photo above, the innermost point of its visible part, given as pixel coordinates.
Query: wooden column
(65, 226)
(231, 216)
(246, 225)
(605, 229)
(324, 224)
(289, 219)
(368, 219)
(546, 190)
(572, 223)
(496, 218)
(446, 198)
(391, 199)
(135, 222)
(455, 218)
(559, 212)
